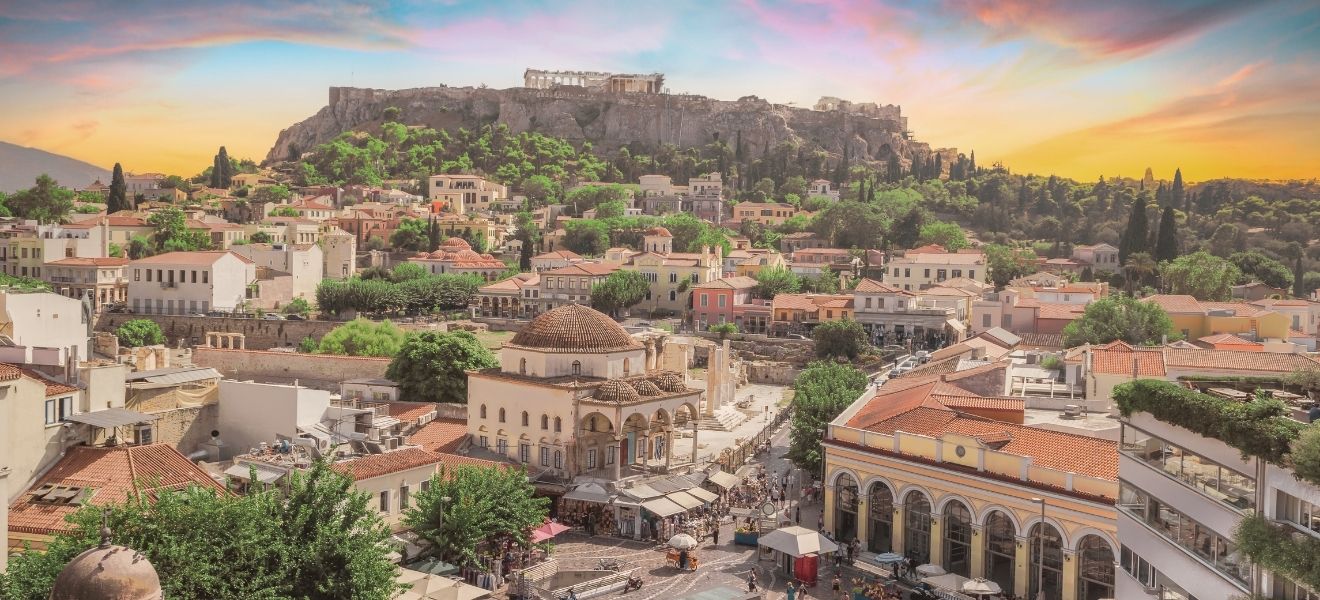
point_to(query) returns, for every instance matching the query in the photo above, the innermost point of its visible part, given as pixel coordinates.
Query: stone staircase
(726, 418)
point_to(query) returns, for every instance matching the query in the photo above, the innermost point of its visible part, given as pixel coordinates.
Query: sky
(1220, 88)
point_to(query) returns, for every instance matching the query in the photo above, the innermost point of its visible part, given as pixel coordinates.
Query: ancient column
(694, 443)
(714, 375)
(242, 341)
(618, 445)
(669, 447)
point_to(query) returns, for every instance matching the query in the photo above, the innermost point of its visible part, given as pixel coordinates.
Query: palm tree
(1139, 267)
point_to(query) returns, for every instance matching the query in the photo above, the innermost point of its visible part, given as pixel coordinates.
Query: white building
(339, 251)
(178, 283)
(920, 270)
(464, 193)
(253, 413)
(304, 262)
(42, 328)
(655, 185)
(1182, 496)
(822, 187)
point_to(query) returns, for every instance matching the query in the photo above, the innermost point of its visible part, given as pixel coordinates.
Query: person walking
(715, 535)
(836, 585)
(792, 591)
(751, 581)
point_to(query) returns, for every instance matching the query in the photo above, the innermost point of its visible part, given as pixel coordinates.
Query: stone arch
(1095, 567)
(904, 493)
(957, 520)
(597, 422)
(1081, 533)
(846, 504)
(660, 418)
(1000, 546)
(947, 498)
(838, 473)
(545, 422)
(483, 411)
(917, 517)
(880, 503)
(685, 415)
(1052, 522)
(984, 517)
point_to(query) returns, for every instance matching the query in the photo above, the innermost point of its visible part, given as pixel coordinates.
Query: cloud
(86, 128)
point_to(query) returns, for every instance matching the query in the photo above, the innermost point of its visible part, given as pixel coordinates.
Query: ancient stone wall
(319, 371)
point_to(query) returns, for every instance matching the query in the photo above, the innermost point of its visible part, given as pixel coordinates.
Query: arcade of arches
(975, 538)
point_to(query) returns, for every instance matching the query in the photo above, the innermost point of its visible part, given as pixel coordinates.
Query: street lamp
(1040, 551)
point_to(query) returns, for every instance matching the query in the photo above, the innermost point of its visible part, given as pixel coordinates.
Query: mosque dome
(616, 391)
(108, 572)
(574, 328)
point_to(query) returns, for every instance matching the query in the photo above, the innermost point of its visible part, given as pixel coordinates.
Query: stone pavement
(726, 564)
(713, 442)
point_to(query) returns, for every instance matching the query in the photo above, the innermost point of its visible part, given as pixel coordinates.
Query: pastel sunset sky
(1082, 89)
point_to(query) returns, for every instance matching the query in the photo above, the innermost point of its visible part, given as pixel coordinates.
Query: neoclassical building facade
(576, 395)
(906, 472)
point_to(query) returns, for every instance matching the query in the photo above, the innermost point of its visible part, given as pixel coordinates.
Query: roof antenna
(105, 528)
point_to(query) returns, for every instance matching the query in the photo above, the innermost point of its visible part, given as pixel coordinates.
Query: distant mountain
(20, 167)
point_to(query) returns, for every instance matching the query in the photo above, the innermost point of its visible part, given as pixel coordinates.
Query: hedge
(1280, 548)
(1257, 428)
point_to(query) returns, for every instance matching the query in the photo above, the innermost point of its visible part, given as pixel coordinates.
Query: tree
(1005, 263)
(827, 282)
(1255, 266)
(821, 392)
(376, 243)
(172, 232)
(1138, 270)
(361, 337)
(587, 237)
(772, 281)
(724, 329)
(1176, 193)
(45, 202)
(222, 170)
(432, 366)
(117, 200)
(298, 306)
(1166, 241)
(284, 211)
(949, 235)
(470, 507)
(259, 237)
(139, 332)
(322, 540)
(908, 230)
(620, 290)
(529, 236)
(139, 247)
(411, 235)
(1201, 274)
(611, 209)
(840, 339)
(1122, 318)
(541, 190)
(1135, 237)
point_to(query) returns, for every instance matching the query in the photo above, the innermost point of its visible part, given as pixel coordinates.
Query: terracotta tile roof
(53, 388)
(811, 302)
(1052, 310)
(512, 284)
(9, 372)
(1042, 341)
(1117, 358)
(376, 465)
(112, 475)
(729, 283)
(89, 262)
(440, 435)
(583, 269)
(1270, 302)
(886, 403)
(126, 221)
(1227, 338)
(558, 254)
(871, 286)
(1237, 360)
(410, 411)
(450, 461)
(1240, 309)
(1173, 303)
(199, 258)
(940, 290)
(929, 249)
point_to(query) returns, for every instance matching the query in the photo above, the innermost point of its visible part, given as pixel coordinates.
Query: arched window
(545, 422)
(916, 527)
(525, 419)
(673, 295)
(577, 368)
(1000, 549)
(1095, 569)
(845, 508)
(559, 425)
(1053, 560)
(881, 502)
(483, 411)
(957, 539)
(627, 366)
(522, 366)
(501, 415)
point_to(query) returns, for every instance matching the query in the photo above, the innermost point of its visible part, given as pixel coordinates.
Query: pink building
(713, 302)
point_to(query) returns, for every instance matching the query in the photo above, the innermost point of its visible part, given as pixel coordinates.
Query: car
(295, 317)
(273, 317)
(196, 315)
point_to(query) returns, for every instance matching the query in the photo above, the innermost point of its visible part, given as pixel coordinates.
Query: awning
(797, 541)
(727, 481)
(703, 494)
(684, 499)
(956, 325)
(112, 417)
(642, 492)
(588, 492)
(663, 507)
(665, 486)
(264, 474)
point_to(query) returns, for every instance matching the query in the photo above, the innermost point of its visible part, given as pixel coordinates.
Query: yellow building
(765, 213)
(911, 468)
(1195, 319)
(755, 263)
(672, 275)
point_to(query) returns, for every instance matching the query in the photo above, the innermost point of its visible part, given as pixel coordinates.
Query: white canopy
(588, 492)
(724, 480)
(663, 507)
(981, 587)
(684, 499)
(703, 494)
(797, 541)
(434, 587)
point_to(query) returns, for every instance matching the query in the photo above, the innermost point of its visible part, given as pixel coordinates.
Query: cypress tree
(1166, 243)
(1135, 236)
(216, 171)
(893, 170)
(1176, 192)
(226, 168)
(1161, 196)
(971, 165)
(118, 199)
(939, 166)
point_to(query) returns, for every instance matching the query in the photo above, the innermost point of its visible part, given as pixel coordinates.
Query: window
(868, 302)
(559, 425)
(907, 272)
(426, 485)
(484, 442)
(610, 453)
(137, 274)
(941, 274)
(957, 273)
(971, 274)
(1296, 510)
(673, 278)
(142, 434)
(545, 422)
(403, 496)
(577, 368)
(926, 273)
(957, 539)
(1006, 321)
(1195, 538)
(985, 321)
(501, 415)
(385, 501)
(916, 528)
(1095, 569)
(627, 366)
(483, 411)
(673, 295)
(206, 277)
(194, 276)
(1136, 566)
(58, 409)
(545, 456)
(591, 458)
(721, 301)
(895, 271)
(1206, 476)
(525, 453)
(502, 446)
(148, 275)
(525, 419)
(1049, 563)
(559, 459)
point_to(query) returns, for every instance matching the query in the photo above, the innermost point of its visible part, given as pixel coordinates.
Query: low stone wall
(772, 373)
(321, 371)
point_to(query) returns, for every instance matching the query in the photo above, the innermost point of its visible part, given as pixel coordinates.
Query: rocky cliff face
(611, 120)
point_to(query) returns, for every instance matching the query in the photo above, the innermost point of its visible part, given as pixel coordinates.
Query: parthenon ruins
(595, 80)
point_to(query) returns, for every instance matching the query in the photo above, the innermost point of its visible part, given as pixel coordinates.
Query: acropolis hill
(613, 119)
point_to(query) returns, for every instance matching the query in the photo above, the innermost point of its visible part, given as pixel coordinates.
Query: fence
(733, 458)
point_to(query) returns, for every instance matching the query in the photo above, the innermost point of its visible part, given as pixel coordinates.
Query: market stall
(797, 551)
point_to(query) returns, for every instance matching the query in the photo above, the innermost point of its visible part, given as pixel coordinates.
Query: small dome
(660, 231)
(646, 388)
(574, 328)
(108, 572)
(454, 244)
(616, 391)
(466, 255)
(669, 381)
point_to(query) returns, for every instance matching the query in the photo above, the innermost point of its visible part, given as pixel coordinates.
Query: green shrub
(140, 332)
(1306, 455)
(723, 328)
(1280, 548)
(1256, 428)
